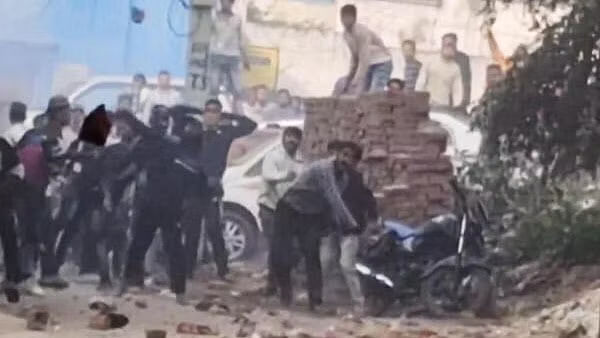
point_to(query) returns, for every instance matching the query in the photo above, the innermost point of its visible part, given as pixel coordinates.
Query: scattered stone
(246, 329)
(141, 304)
(372, 329)
(218, 285)
(219, 309)
(578, 332)
(102, 305)
(156, 334)
(286, 324)
(108, 321)
(38, 319)
(189, 328)
(297, 333)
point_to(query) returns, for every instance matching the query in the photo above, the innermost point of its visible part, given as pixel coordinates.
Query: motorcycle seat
(405, 231)
(402, 230)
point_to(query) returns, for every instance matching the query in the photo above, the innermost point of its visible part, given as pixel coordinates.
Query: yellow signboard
(264, 67)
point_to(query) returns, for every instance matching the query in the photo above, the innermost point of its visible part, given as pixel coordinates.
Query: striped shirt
(411, 73)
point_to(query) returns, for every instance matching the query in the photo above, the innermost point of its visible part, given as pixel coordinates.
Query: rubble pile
(404, 150)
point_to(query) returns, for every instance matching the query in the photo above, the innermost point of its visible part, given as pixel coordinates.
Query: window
(103, 93)
(246, 148)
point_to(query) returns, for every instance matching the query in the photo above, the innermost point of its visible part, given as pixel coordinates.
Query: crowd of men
(447, 77)
(165, 175)
(146, 177)
(121, 180)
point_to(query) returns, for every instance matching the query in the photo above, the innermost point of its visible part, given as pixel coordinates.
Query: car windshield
(245, 148)
(104, 93)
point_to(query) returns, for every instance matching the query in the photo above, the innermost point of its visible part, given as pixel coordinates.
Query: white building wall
(313, 54)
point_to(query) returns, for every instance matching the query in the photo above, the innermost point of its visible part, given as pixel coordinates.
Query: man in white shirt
(441, 77)
(371, 64)
(163, 95)
(279, 170)
(227, 53)
(17, 116)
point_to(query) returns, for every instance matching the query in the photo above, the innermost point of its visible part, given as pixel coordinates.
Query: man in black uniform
(10, 184)
(159, 204)
(220, 130)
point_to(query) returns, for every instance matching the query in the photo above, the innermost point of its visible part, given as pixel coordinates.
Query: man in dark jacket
(10, 185)
(220, 130)
(303, 215)
(159, 203)
(39, 151)
(342, 245)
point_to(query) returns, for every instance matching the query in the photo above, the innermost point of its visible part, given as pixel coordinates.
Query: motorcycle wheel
(376, 306)
(378, 298)
(437, 292)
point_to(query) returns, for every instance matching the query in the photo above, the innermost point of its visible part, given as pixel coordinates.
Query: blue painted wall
(99, 34)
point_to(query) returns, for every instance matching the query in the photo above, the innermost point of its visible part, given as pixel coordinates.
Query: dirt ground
(226, 308)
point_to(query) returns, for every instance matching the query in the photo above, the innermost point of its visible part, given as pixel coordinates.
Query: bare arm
(363, 42)
(457, 88)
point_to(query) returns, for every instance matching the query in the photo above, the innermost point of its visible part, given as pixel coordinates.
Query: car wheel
(240, 234)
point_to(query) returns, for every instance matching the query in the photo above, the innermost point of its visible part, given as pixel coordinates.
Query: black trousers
(191, 222)
(289, 226)
(8, 236)
(267, 220)
(113, 238)
(150, 218)
(9, 186)
(214, 230)
(31, 208)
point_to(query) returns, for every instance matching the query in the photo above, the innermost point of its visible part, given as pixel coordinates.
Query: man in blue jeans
(371, 62)
(227, 53)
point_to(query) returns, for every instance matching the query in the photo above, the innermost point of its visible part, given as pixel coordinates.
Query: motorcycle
(441, 261)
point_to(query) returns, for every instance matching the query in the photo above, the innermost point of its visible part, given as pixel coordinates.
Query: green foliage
(547, 106)
(567, 230)
(542, 128)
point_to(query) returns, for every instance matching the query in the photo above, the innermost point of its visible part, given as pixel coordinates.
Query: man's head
(125, 101)
(160, 119)
(164, 80)
(348, 155)
(284, 98)
(520, 57)
(17, 112)
(192, 132)
(348, 15)
(121, 123)
(292, 136)
(212, 112)
(395, 86)
(139, 82)
(493, 75)
(226, 5)
(333, 147)
(297, 102)
(58, 111)
(77, 117)
(40, 121)
(449, 48)
(250, 95)
(409, 49)
(126, 125)
(262, 94)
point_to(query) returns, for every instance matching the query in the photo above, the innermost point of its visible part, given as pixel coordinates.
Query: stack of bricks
(403, 162)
